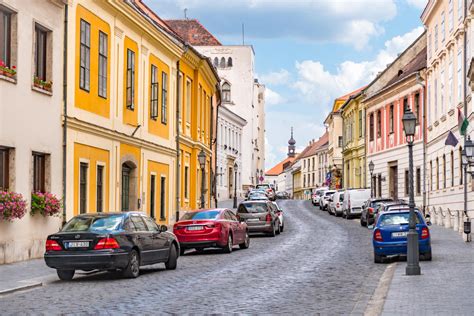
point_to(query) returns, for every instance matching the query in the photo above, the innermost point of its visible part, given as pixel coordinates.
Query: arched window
(222, 64)
(229, 62)
(226, 92)
(216, 62)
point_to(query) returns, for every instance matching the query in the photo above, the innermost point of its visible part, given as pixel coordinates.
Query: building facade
(31, 154)
(313, 166)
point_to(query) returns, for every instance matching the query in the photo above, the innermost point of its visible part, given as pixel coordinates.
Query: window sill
(443, 118)
(43, 91)
(162, 219)
(451, 112)
(430, 128)
(9, 79)
(436, 123)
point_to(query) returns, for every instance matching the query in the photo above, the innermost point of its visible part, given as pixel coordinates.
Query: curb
(21, 288)
(377, 300)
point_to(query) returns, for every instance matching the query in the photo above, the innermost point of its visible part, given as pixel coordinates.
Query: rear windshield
(341, 197)
(263, 186)
(396, 219)
(375, 203)
(253, 208)
(83, 224)
(200, 215)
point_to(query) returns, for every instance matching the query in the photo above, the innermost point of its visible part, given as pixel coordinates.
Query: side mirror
(163, 228)
(370, 226)
(428, 222)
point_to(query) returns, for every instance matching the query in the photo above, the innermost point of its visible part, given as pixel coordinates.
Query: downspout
(213, 174)
(215, 148)
(419, 80)
(177, 142)
(65, 110)
(465, 110)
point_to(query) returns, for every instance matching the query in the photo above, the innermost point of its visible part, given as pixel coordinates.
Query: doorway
(393, 183)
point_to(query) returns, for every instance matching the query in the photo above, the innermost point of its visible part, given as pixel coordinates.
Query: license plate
(399, 234)
(195, 227)
(78, 244)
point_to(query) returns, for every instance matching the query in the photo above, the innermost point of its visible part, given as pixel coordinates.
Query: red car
(211, 228)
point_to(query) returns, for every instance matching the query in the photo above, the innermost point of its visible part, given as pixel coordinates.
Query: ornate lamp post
(413, 265)
(235, 184)
(256, 176)
(261, 175)
(202, 163)
(467, 155)
(371, 169)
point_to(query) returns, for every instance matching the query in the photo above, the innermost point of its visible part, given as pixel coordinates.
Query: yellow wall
(92, 156)
(90, 100)
(156, 127)
(160, 170)
(130, 116)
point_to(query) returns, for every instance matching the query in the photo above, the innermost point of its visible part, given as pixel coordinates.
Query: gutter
(177, 143)
(419, 80)
(65, 110)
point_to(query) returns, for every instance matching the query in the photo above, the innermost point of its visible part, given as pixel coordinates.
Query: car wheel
(273, 233)
(282, 227)
(133, 268)
(278, 231)
(246, 242)
(378, 258)
(426, 256)
(362, 222)
(65, 275)
(229, 246)
(172, 259)
(343, 214)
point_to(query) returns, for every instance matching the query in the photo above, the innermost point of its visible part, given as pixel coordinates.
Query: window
(164, 97)
(452, 168)
(391, 118)
(360, 123)
(138, 223)
(379, 123)
(180, 96)
(407, 189)
(431, 175)
(371, 128)
(222, 65)
(436, 38)
(126, 171)
(40, 52)
(4, 169)
(417, 107)
(444, 171)
(379, 189)
(459, 71)
(461, 174)
(418, 181)
(441, 90)
(451, 14)
(163, 198)
(443, 29)
(450, 81)
(216, 62)
(460, 11)
(188, 101)
(130, 79)
(5, 37)
(229, 62)
(39, 166)
(186, 182)
(406, 107)
(435, 99)
(437, 173)
(100, 188)
(429, 46)
(83, 168)
(226, 92)
(339, 141)
(85, 56)
(152, 195)
(103, 49)
(154, 86)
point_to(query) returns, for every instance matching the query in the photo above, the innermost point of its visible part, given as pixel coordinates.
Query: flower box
(12, 206)
(6, 71)
(43, 84)
(46, 204)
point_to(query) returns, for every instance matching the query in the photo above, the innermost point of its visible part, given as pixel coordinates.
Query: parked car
(367, 217)
(256, 196)
(335, 207)
(282, 195)
(219, 228)
(260, 216)
(268, 190)
(390, 235)
(324, 199)
(353, 201)
(280, 216)
(110, 241)
(317, 195)
(387, 206)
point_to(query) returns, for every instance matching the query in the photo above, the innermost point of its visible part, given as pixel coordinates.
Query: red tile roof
(414, 65)
(279, 167)
(311, 149)
(193, 32)
(347, 96)
(149, 12)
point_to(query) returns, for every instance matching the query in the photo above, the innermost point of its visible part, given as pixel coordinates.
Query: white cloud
(272, 97)
(420, 4)
(281, 77)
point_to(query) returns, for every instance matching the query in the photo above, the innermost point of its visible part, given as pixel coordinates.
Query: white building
(30, 118)
(229, 153)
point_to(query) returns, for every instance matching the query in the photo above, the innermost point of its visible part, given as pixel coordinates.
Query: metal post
(413, 265)
(371, 184)
(235, 189)
(203, 203)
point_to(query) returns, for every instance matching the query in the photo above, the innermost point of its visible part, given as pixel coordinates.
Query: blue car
(390, 235)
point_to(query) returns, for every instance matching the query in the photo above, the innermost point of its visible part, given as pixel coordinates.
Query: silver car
(280, 216)
(260, 216)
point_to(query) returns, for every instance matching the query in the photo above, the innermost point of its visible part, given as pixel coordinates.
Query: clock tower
(291, 145)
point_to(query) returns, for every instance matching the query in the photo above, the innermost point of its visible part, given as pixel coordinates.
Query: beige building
(30, 131)
(314, 165)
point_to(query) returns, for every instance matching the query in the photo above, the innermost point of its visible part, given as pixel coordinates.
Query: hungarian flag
(463, 123)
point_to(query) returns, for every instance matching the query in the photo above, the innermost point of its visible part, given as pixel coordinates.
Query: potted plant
(7, 71)
(12, 206)
(46, 204)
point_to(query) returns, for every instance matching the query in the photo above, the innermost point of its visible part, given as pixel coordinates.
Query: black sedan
(110, 241)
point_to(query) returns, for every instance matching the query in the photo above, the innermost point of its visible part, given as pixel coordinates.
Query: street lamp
(413, 265)
(371, 169)
(256, 176)
(235, 185)
(202, 163)
(466, 156)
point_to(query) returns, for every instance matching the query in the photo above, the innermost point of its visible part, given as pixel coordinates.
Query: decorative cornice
(118, 32)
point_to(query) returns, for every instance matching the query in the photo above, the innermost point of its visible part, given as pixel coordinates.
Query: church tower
(291, 145)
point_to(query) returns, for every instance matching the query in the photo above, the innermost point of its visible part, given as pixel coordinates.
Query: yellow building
(353, 150)
(120, 112)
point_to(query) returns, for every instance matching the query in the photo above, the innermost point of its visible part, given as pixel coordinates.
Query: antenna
(185, 13)
(243, 34)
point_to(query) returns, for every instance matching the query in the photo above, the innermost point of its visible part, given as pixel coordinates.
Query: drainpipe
(465, 112)
(65, 110)
(215, 147)
(177, 142)
(419, 80)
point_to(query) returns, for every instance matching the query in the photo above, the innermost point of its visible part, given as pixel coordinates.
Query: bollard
(467, 229)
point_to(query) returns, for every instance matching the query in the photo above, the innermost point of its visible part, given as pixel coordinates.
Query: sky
(307, 52)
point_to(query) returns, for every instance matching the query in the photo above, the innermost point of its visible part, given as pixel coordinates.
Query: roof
(416, 64)
(315, 146)
(350, 94)
(193, 32)
(151, 14)
(278, 169)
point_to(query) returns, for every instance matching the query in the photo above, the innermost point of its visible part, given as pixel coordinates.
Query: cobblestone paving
(319, 264)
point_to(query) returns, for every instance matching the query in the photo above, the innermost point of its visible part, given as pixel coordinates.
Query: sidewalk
(445, 286)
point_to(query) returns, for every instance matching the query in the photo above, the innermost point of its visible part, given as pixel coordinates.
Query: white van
(353, 201)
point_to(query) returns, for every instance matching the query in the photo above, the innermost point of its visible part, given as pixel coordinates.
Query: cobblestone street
(318, 264)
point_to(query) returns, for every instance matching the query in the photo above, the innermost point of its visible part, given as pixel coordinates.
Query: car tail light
(378, 235)
(425, 233)
(178, 227)
(371, 210)
(107, 243)
(268, 218)
(213, 225)
(337, 204)
(52, 245)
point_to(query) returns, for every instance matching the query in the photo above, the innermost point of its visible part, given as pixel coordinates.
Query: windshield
(396, 219)
(200, 215)
(83, 224)
(341, 197)
(253, 208)
(328, 193)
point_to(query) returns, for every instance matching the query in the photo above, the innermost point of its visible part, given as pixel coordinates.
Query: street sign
(261, 179)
